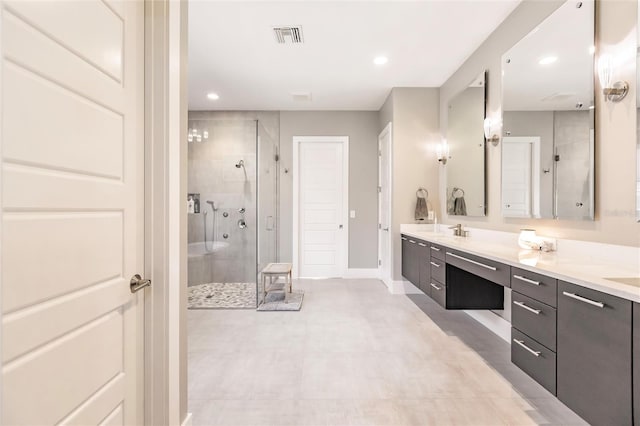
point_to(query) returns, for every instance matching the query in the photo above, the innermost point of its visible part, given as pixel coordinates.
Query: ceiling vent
(291, 35)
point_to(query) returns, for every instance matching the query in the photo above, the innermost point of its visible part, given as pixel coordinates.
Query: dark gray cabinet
(636, 364)
(537, 286)
(423, 258)
(410, 265)
(490, 270)
(535, 359)
(594, 367)
(535, 319)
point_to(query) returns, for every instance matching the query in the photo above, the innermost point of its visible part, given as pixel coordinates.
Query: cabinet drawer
(594, 354)
(540, 287)
(534, 359)
(437, 251)
(439, 293)
(438, 268)
(535, 319)
(496, 272)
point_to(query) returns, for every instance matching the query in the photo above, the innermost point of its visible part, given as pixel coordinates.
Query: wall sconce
(195, 136)
(492, 131)
(442, 151)
(612, 92)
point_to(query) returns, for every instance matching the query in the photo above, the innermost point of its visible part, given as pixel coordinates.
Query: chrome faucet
(458, 231)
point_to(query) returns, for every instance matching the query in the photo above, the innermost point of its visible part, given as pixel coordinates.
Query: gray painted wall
(362, 129)
(416, 133)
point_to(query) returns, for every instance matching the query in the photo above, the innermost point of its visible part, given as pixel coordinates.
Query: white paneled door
(322, 203)
(72, 213)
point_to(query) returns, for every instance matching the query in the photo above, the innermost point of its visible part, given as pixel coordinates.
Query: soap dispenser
(191, 205)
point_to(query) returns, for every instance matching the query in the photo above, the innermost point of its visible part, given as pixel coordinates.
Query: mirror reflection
(465, 137)
(548, 118)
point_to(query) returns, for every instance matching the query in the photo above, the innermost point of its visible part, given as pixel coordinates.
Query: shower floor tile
(222, 296)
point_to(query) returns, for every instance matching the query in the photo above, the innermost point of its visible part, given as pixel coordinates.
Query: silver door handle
(526, 280)
(436, 287)
(422, 245)
(493, 268)
(403, 238)
(412, 242)
(521, 343)
(584, 299)
(435, 264)
(387, 229)
(137, 283)
(435, 248)
(522, 305)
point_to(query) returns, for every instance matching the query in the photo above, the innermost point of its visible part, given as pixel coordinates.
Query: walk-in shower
(236, 171)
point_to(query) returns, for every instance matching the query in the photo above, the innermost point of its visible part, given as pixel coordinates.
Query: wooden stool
(276, 270)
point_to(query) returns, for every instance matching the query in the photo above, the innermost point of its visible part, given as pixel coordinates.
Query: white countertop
(588, 268)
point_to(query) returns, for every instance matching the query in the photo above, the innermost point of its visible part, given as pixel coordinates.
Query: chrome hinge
(379, 226)
(379, 262)
(379, 189)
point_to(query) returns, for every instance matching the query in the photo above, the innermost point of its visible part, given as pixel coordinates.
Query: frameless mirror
(465, 163)
(548, 118)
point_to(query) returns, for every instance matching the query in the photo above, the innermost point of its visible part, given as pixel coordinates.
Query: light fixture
(492, 130)
(612, 92)
(442, 152)
(380, 60)
(195, 135)
(213, 96)
(548, 60)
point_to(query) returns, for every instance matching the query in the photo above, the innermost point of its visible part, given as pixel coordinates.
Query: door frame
(297, 140)
(165, 217)
(388, 129)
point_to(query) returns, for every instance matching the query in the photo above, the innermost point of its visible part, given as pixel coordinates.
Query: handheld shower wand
(240, 164)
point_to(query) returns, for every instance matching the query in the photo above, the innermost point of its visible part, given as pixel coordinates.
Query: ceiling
(233, 51)
(568, 35)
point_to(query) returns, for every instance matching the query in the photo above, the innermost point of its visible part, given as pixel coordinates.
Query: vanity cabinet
(594, 367)
(536, 286)
(424, 257)
(410, 260)
(496, 272)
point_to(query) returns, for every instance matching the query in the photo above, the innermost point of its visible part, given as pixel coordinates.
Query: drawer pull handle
(422, 245)
(526, 280)
(583, 299)
(435, 248)
(412, 242)
(436, 287)
(521, 343)
(403, 238)
(523, 306)
(473, 261)
(435, 264)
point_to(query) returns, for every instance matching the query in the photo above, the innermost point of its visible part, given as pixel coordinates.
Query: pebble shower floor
(222, 296)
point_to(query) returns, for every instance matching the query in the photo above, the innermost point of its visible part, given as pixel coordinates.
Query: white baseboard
(403, 287)
(362, 273)
(493, 322)
(188, 420)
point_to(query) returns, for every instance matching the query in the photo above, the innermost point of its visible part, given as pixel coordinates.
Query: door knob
(385, 229)
(340, 226)
(137, 283)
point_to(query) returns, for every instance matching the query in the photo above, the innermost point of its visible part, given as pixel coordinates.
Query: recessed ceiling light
(213, 96)
(380, 60)
(548, 60)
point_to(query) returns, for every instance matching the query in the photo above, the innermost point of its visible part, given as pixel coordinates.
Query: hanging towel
(422, 208)
(459, 207)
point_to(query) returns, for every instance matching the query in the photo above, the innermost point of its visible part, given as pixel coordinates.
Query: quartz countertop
(595, 271)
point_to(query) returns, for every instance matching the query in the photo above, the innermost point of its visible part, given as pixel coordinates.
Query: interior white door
(384, 204)
(516, 179)
(72, 193)
(322, 222)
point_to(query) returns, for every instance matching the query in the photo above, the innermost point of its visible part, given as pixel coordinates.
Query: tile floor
(357, 355)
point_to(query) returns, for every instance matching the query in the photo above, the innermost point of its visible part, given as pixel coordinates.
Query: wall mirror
(548, 118)
(466, 161)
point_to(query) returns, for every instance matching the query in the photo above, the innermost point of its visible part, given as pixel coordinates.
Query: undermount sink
(634, 281)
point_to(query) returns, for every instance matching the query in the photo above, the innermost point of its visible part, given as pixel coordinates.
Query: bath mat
(222, 296)
(282, 301)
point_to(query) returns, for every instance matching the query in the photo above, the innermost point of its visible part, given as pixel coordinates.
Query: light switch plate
(352, 214)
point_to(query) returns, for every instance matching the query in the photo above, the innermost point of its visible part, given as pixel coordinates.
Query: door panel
(321, 209)
(72, 191)
(384, 203)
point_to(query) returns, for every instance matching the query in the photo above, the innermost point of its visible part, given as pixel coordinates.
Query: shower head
(240, 164)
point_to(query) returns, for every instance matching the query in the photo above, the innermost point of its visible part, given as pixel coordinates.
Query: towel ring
(457, 191)
(421, 191)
